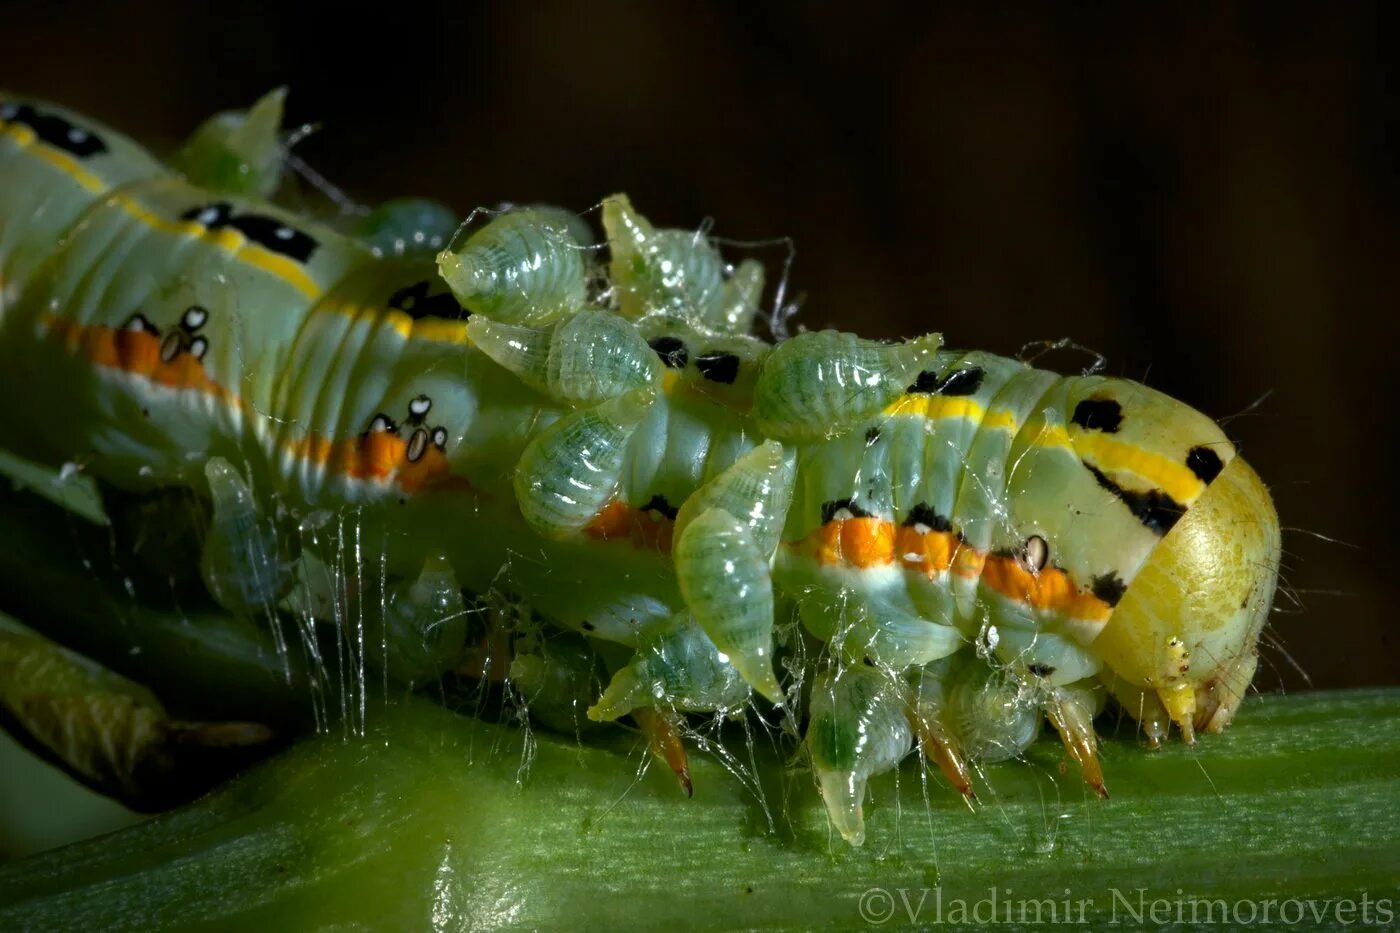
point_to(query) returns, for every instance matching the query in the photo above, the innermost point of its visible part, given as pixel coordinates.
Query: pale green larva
(683, 511)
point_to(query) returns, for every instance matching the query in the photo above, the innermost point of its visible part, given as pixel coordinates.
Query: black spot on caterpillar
(55, 131)
(1109, 587)
(268, 232)
(718, 367)
(830, 510)
(921, 514)
(415, 301)
(671, 350)
(1154, 508)
(1205, 463)
(1099, 414)
(958, 382)
(660, 506)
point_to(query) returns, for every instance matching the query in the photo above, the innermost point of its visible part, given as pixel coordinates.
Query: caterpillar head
(1144, 502)
(1183, 642)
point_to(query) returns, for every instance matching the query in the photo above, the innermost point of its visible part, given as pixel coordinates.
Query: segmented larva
(974, 545)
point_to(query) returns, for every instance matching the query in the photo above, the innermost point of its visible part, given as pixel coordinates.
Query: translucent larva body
(976, 545)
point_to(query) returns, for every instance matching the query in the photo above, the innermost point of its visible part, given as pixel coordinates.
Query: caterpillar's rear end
(910, 544)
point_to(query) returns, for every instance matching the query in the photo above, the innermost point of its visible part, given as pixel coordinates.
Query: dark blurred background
(1209, 198)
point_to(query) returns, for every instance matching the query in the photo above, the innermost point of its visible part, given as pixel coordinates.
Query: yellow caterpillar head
(1181, 644)
(1183, 640)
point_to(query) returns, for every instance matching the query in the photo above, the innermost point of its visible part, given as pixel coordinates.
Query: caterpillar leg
(1179, 701)
(1142, 705)
(569, 471)
(857, 729)
(243, 563)
(1218, 701)
(1071, 710)
(939, 747)
(662, 730)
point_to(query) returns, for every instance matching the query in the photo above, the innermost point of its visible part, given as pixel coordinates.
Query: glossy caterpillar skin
(913, 544)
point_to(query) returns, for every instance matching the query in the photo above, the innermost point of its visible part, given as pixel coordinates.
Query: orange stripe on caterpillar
(134, 351)
(374, 456)
(863, 543)
(645, 528)
(380, 456)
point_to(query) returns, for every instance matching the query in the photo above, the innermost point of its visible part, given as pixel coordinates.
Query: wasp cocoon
(238, 152)
(558, 680)
(524, 267)
(242, 563)
(856, 729)
(725, 581)
(822, 384)
(993, 715)
(569, 471)
(663, 271)
(425, 623)
(592, 356)
(678, 669)
(413, 227)
(742, 294)
(756, 487)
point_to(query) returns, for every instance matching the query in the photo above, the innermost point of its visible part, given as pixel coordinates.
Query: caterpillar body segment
(56, 165)
(716, 367)
(975, 545)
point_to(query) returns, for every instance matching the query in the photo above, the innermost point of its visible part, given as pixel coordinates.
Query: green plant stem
(430, 820)
(426, 822)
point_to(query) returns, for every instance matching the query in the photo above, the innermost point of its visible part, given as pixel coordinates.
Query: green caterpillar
(913, 545)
